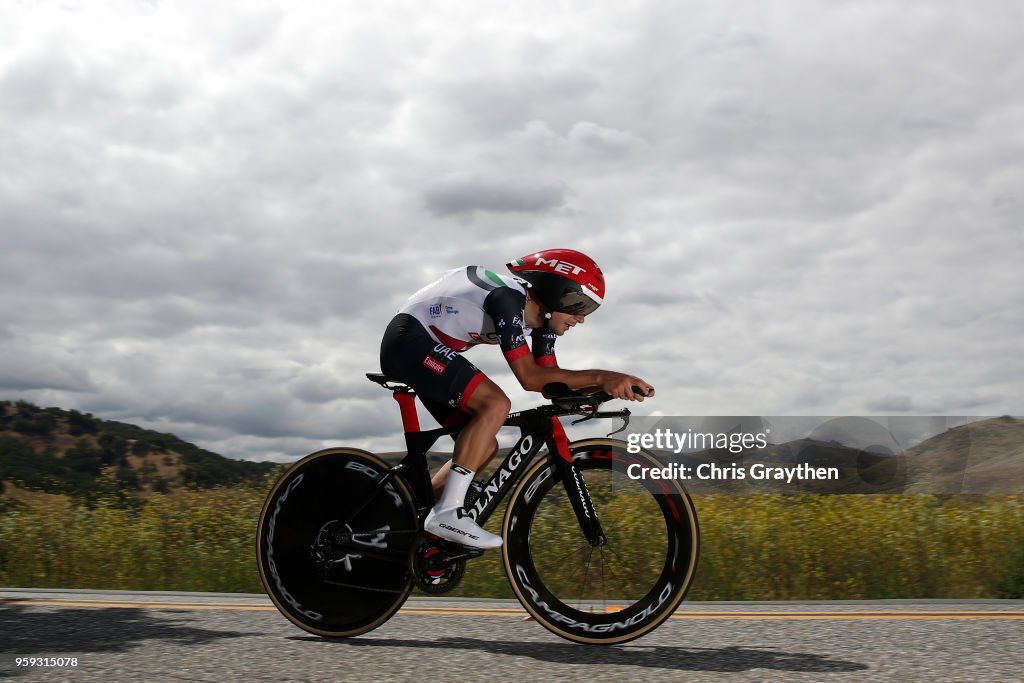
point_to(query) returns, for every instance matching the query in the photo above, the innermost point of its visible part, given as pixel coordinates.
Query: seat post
(405, 396)
(407, 404)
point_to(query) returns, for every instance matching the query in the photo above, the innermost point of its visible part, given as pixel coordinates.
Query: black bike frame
(538, 426)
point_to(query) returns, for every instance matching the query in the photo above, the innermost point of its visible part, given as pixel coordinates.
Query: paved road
(126, 637)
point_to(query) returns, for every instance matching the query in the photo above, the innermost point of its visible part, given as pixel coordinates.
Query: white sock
(455, 487)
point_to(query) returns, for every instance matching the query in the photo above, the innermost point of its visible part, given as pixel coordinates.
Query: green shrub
(1011, 585)
(192, 541)
(753, 547)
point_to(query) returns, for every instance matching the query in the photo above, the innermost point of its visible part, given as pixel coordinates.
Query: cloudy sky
(208, 214)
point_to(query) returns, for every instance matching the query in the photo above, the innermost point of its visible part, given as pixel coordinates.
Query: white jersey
(473, 305)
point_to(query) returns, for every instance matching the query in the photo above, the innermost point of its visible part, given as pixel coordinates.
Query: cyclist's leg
(477, 442)
(439, 477)
(487, 407)
(443, 378)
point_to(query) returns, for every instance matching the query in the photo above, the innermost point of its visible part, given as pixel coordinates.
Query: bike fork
(579, 497)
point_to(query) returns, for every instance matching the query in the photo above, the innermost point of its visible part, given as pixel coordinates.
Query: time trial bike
(593, 555)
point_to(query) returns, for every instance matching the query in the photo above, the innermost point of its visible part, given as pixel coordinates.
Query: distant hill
(981, 457)
(72, 453)
(986, 456)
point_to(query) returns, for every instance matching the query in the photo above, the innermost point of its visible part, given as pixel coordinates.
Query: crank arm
(468, 555)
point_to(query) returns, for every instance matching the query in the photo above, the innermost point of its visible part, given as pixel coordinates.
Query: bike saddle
(378, 377)
(387, 382)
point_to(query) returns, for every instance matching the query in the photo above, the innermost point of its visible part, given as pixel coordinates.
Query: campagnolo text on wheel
(594, 556)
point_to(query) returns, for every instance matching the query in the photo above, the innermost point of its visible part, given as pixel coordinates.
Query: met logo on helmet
(560, 266)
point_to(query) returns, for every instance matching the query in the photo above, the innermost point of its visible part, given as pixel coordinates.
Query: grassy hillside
(981, 457)
(763, 547)
(66, 452)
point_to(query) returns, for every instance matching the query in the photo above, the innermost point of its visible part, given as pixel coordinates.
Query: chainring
(433, 568)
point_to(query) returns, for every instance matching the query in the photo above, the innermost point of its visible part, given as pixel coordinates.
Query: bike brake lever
(625, 422)
(589, 416)
(624, 414)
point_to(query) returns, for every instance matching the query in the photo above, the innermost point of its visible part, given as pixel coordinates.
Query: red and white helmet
(563, 280)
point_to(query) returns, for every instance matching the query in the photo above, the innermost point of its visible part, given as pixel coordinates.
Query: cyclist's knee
(489, 401)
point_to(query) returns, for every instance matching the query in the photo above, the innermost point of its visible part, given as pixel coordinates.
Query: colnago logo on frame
(507, 469)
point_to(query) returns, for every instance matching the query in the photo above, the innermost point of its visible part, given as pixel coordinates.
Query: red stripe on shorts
(470, 388)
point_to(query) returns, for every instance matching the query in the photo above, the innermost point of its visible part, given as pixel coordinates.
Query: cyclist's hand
(623, 386)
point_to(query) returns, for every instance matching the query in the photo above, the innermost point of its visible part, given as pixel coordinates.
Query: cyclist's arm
(534, 377)
(543, 345)
(505, 306)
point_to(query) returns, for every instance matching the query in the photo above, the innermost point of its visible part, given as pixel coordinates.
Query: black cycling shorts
(442, 378)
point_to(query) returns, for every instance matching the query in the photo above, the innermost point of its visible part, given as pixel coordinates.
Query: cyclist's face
(561, 322)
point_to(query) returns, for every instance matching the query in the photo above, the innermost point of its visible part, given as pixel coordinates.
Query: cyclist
(549, 292)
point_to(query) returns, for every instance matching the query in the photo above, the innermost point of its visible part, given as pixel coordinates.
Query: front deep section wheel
(333, 544)
(601, 594)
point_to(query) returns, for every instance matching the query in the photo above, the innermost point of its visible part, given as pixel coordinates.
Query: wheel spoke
(586, 576)
(623, 584)
(628, 582)
(559, 564)
(559, 560)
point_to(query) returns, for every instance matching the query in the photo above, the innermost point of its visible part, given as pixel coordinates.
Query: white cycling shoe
(456, 526)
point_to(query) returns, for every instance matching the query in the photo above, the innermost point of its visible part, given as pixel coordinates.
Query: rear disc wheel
(331, 572)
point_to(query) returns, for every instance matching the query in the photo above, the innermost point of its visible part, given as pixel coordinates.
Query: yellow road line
(764, 616)
(105, 604)
(696, 616)
(854, 616)
(874, 615)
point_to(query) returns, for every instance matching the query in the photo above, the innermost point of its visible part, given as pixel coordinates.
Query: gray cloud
(468, 197)
(208, 217)
(24, 367)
